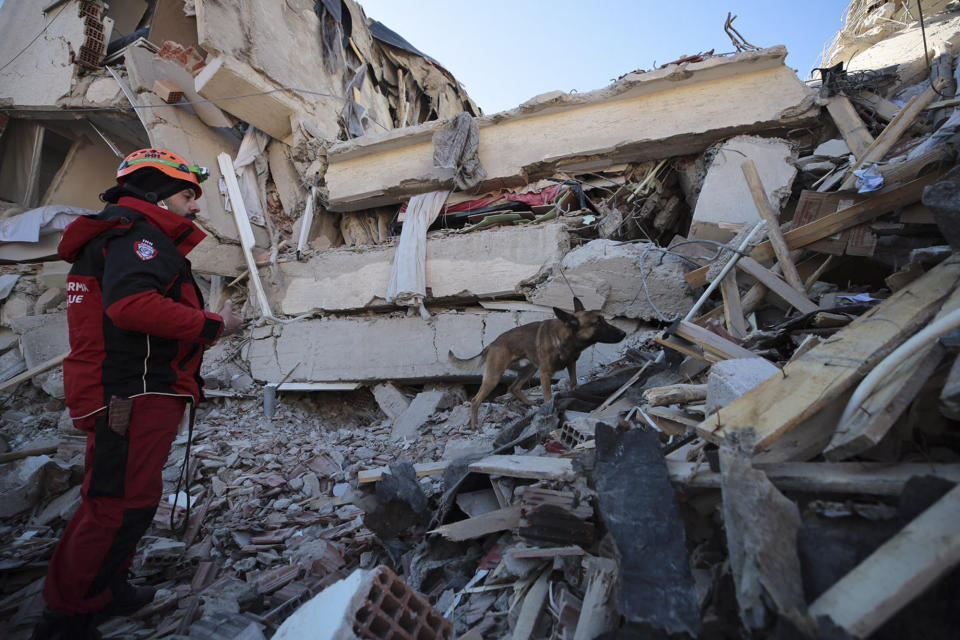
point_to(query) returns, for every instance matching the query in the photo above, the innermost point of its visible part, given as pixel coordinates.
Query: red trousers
(122, 486)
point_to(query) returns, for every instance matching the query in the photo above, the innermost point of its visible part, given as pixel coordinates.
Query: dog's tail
(468, 364)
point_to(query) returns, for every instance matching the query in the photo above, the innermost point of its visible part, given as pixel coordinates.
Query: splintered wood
(770, 411)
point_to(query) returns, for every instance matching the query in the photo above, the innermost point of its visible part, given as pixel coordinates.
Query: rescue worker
(138, 330)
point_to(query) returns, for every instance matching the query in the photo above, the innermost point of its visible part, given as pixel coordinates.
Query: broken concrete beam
(374, 602)
(677, 110)
(761, 526)
(393, 347)
(656, 594)
(270, 111)
(730, 379)
(484, 264)
(720, 211)
(421, 408)
(622, 280)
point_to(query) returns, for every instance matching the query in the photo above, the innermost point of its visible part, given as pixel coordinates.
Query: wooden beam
(893, 132)
(864, 211)
(27, 453)
(876, 415)
(777, 406)
(851, 127)
(710, 342)
(897, 572)
(870, 478)
(776, 285)
(532, 607)
(732, 306)
(686, 348)
(491, 522)
(773, 225)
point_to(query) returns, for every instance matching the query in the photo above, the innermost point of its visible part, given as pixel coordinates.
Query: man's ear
(567, 318)
(577, 305)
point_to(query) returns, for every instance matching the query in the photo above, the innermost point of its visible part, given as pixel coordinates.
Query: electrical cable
(926, 54)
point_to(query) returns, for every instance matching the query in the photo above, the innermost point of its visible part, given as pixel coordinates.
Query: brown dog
(548, 345)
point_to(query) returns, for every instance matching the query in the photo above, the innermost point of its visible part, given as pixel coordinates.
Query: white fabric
(408, 276)
(252, 147)
(30, 225)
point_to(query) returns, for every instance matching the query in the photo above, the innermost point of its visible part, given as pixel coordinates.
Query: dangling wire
(926, 54)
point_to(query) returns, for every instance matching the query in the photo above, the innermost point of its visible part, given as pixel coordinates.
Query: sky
(505, 52)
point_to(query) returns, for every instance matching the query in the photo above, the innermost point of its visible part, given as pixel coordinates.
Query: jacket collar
(184, 234)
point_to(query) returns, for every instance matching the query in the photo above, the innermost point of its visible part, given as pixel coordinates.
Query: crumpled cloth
(868, 179)
(30, 225)
(408, 275)
(455, 146)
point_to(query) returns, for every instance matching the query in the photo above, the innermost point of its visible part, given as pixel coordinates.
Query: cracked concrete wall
(44, 73)
(725, 205)
(480, 264)
(677, 110)
(610, 276)
(88, 170)
(390, 347)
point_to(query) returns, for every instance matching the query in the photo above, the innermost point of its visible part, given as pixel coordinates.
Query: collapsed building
(772, 449)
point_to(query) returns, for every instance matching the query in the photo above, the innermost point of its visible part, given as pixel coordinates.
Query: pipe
(930, 333)
(723, 272)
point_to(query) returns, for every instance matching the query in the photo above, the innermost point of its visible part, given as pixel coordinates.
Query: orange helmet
(166, 161)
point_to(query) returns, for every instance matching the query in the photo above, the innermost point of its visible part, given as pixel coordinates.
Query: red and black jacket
(135, 314)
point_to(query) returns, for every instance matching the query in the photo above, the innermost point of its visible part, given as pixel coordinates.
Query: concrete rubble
(722, 471)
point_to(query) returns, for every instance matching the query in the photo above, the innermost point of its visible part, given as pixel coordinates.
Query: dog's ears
(567, 318)
(577, 305)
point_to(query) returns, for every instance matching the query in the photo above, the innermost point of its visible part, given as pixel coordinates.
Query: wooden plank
(597, 614)
(421, 469)
(813, 205)
(675, 394)
(40, 368)
(848, 122)
(876, 415)
(244, 229)
(870, 478)
(546, 552)
(883, 108)
(821, 376)
(712, 343)
(20, 454)
(499, 520)
(885, 201)
(776, 285)
(532, 607)
(732, 307)
(531, 467)
(686, 348)
(893, 575)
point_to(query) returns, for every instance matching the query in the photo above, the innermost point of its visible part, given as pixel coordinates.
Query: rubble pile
(772, 451)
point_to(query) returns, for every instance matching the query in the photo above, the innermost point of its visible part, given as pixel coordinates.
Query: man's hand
(231, 320)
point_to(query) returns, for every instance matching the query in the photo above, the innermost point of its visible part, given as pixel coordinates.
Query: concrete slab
(7, 339)
(730, 379)
(836, 148)
(16, 306)
(54, 274)
(7, 282)
(292, 196)
(725, 205)
(421, 408)
(269, 108)
(47, 73)
(11, 364)
(391, 400)
(49, 299)
(42, 337)
(677, 110)
(610, 276)
(392, 347)
(481, 264)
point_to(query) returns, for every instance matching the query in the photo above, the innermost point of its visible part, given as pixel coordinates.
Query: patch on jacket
(145, 250)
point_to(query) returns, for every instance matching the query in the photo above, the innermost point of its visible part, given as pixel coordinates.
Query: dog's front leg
(572, 372)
